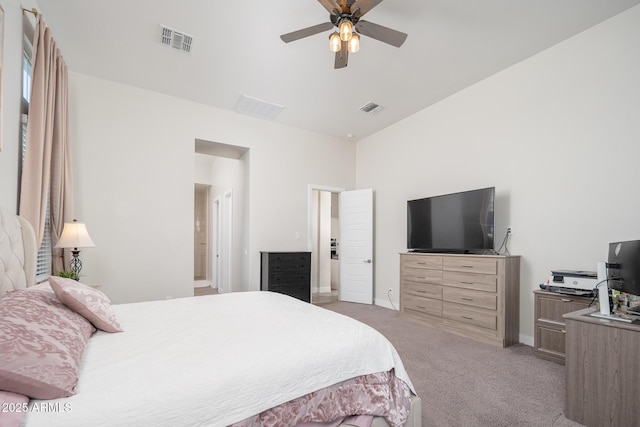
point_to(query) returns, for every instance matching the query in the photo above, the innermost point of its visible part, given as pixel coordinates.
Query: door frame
(217, 241)
(227, 242)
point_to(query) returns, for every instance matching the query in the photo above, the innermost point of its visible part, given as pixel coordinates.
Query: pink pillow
(88, 302)
(41, 344)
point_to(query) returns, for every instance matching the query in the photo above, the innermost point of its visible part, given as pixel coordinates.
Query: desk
(603, 371)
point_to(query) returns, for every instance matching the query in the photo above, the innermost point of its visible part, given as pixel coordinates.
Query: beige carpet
(466, 383)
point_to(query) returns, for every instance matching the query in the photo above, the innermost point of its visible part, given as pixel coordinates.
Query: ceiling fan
(346, 16)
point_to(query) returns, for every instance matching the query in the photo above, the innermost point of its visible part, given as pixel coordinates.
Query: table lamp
(74, 236)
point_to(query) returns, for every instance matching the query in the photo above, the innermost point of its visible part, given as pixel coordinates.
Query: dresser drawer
(471, 265)
(423, 305)
(422, 290)
(478, 282)
(420, 261)
(470, 315)
(472, 298)
(288, 262)
(422, 275)
(289, 277)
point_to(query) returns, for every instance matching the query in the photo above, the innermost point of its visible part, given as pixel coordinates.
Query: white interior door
(356, 247)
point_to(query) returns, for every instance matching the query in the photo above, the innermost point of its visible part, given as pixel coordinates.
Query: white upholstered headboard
(17, 253)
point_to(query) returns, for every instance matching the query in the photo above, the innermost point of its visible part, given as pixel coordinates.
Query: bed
(240, 359)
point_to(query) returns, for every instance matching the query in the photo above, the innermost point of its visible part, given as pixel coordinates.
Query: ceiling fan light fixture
(346, 30)
(354, 43)
(335, 44)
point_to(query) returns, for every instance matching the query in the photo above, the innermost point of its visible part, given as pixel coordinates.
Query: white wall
(134, 175)
(557, 135)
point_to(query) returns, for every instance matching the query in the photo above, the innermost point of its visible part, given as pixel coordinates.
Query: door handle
(368, 261)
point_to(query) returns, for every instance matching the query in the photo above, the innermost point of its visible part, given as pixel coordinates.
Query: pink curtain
(46, 170)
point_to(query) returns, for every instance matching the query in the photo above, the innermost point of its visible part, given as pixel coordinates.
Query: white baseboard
(526, 339)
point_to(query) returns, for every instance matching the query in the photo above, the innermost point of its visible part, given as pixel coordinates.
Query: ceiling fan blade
(306, 32)
(342, 56)
(331, 6)
(383, 34)
(360, 7)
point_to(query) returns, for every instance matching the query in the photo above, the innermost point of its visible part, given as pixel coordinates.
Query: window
(44, 258)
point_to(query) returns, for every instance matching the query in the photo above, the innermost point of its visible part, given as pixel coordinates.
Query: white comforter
(213, 361)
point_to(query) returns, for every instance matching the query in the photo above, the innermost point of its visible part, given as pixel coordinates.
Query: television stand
(476, 296)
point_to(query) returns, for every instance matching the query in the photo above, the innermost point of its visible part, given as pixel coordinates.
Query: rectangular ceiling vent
(176, 39)
(371, 108)
(258, 108)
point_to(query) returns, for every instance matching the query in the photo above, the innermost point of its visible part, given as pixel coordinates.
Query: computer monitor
(623, 266)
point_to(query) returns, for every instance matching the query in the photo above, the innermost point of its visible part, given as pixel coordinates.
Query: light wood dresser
(476, 296)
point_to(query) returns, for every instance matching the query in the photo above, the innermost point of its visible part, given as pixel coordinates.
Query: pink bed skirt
(355, 401)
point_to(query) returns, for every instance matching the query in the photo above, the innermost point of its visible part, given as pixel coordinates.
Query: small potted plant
(68, 274)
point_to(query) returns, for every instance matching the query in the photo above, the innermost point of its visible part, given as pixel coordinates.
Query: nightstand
(550, 332)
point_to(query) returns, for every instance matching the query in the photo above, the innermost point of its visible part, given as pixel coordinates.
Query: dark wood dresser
(287, 273)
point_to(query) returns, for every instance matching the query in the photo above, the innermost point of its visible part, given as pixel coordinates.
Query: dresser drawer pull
(467, 317)
(422, 307)
(421, 277)
(566, 300)
(467, 283)
(421, 263)
(466, 298)
(422, 291)
(466, 266)
(562, 331)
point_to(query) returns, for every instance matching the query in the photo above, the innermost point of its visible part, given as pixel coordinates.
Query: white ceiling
(237, 51)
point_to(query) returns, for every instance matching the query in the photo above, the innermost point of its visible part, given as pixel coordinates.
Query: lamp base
(76, 264)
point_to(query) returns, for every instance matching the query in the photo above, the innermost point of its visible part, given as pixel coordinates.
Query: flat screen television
(623, 267)
(454, 223)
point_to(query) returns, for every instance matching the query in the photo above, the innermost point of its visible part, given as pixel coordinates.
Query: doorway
(324, 242)
(225, 169)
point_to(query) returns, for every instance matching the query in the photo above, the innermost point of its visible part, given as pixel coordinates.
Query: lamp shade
(354, 43)
(335, 44)
(75, 235)
(346, 30)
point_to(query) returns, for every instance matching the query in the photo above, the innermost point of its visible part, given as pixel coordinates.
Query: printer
(572, 282)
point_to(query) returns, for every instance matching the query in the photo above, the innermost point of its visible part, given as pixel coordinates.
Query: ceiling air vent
(176, 39)
(371, 108)
(258, 108)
